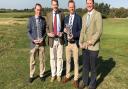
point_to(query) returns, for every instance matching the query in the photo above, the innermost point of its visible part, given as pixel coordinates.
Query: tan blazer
(93, 32)
(49, 27)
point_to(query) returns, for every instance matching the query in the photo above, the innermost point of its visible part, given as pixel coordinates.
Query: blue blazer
(32, 29)
(76, 28)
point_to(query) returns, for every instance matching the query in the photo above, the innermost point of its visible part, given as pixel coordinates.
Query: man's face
(90, 5)
(71, 8)
(38, 10)
(54, 6)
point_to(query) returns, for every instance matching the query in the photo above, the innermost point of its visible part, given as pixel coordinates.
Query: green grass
(14, 57)
(16, 15)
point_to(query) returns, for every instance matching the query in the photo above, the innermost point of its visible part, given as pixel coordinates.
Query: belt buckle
(56, 39)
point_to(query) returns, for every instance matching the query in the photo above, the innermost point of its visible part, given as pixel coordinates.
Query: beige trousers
(40, 51)
(72, 50)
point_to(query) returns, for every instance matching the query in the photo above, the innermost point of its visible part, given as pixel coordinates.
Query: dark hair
(37, 4)
(92, 1)
(71, 1)
(55, 1)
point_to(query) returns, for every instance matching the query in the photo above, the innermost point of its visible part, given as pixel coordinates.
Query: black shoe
(82, 85)
(31, 80)
(42, 78)
(90, 87)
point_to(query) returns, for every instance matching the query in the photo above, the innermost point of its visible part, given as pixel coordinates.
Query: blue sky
(21, 4)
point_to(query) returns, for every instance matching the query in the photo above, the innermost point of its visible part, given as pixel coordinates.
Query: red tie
(55, 25)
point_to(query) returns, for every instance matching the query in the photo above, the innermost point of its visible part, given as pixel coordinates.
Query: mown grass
(14, 58)
(16, 14)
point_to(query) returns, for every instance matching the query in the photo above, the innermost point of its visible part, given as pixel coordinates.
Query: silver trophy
(69, 31)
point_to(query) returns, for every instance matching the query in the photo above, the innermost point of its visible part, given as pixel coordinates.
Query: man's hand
(81, 45)
(70, 37)
(35, 41)
(65, 30)
(51, 34)
(40, 41)
(89, 43)
(59, 34)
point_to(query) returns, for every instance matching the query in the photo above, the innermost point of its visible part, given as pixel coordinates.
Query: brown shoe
(66, 80)
(58, 78)
(53, 79)
(75, 84)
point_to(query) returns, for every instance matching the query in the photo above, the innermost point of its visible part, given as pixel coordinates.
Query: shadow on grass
(104, 67)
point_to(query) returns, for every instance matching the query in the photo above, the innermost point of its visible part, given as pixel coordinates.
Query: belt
(72, 42)
(56, 39)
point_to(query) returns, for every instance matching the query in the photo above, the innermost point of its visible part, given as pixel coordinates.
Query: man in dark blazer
(55, 26)
(37, 33)
(73, 25)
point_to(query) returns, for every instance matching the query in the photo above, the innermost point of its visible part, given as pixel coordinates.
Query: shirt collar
(72, 14)
(55, 12)
(37, 17)
(90, 13)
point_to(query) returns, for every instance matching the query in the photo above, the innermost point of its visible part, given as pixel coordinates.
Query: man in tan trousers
(37, 33)
(74, 22)
(90, 43)
(55, 26)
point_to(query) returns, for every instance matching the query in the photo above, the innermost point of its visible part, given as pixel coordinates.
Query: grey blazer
(32, 29)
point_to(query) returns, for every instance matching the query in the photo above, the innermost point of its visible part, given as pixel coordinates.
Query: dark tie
(55, 24)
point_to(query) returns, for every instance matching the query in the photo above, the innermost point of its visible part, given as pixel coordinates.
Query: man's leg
(32, 63)
(68, 60)
(76, 64)
(59, 61)
(42, 61)
(86, 67)
(93, 59)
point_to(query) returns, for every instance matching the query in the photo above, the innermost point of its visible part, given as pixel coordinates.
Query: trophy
(69, 32)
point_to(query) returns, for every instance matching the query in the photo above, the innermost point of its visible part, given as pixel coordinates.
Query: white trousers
(56, 60)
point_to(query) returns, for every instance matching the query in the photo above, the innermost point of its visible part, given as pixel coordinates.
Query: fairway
(14, 57)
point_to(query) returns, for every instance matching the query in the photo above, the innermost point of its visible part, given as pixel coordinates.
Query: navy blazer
(76, 28)
(32, 29)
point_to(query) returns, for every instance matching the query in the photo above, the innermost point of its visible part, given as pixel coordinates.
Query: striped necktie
(71, 23)
(39, 33)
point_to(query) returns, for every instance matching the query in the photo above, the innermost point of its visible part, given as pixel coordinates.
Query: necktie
(55, 24)
(88, 20)
(70, 23)
(39, 34)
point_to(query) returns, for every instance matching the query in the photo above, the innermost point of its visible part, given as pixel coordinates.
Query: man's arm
(47, 26)
(30, 30)
(77, 34)
(99, 28)
(82, 33)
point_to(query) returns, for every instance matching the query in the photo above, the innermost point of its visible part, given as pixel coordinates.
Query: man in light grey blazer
(90, 43)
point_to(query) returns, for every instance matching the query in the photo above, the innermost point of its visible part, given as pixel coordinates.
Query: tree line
(104, 8)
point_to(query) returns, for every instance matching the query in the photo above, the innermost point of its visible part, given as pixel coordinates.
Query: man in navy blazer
(73, 25)
(37, 33)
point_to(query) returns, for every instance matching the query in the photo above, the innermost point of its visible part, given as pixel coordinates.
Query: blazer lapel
(60, 18)
(51, 22)
(34, 21)
(74, 20)
(93, 14)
